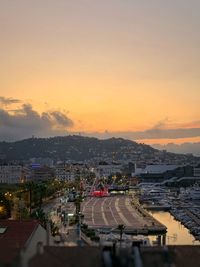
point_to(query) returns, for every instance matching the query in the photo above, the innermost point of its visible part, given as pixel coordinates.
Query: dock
(157, 207)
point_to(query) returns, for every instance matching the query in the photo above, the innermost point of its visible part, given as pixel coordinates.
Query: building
(42, 161)
(68, 256)
(37, 173)
(111, 256)
(154, 172)
(10, 174)
(104, 169)
(154, 169)
(197, 171)
(65, 172)
(19, 241)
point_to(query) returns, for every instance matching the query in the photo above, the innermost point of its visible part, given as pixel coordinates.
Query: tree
(121, 228)
(77, 203)
(30, 187)
(41, 188)
(40, 215)
(54, 228)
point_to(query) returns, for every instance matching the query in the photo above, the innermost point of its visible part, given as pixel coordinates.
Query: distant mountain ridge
(75, 147)
(193, 148)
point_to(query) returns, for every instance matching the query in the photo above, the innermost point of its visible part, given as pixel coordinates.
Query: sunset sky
(100, 67)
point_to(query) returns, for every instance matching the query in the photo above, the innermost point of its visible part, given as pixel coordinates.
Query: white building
(10, 174)
(64, 172)
(108, 169)
(197, 171)
(157, 168)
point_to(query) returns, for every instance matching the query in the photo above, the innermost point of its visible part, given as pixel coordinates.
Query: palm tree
(30, 187)
(78, 201)
(121, 228)
(40, 215)
(41, 188)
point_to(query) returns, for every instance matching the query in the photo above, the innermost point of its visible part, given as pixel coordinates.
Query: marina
(177, 233)
(183, 211)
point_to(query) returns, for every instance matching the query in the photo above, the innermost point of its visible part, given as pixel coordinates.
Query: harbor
(181, 209)
(162, 219)
(177, 233)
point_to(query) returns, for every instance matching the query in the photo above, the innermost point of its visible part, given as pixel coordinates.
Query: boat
(192, 193)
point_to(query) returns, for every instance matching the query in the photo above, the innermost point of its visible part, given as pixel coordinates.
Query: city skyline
(100, 68)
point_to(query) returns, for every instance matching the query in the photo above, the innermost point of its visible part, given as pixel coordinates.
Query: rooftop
(179, 256)
(14, 236)
(68, 256)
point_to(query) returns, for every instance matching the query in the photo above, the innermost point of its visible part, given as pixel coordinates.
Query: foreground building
(19, 241)
(171, 256)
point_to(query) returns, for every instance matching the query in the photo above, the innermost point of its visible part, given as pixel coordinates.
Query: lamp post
(80, 220)
(69, 215)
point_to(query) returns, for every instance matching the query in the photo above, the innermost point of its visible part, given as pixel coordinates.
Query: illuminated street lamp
(2, 211)
(8, 195)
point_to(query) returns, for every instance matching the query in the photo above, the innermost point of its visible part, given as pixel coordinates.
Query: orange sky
(108, 65)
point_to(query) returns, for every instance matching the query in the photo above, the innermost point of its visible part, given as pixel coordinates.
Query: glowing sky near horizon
(109, 65)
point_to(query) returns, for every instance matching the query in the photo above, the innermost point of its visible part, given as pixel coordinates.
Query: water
(177, 234)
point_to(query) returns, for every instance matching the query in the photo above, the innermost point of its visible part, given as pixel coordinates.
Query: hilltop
(75, 147)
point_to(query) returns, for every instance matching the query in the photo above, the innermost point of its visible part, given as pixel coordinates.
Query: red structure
(100, 193)
(98, 189)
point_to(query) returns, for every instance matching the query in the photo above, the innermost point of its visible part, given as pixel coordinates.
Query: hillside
(79, 148)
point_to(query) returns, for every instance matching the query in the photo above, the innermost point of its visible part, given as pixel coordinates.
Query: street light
(69, 215)
(80, 221)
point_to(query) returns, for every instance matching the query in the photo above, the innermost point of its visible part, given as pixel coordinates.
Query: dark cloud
(62, 119)
(150, 134)
(170, 133)
(8, 101)
(158, 131)
(25, 122)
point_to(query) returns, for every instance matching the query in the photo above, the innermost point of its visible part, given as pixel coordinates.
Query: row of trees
(25, 201)
(21, 200)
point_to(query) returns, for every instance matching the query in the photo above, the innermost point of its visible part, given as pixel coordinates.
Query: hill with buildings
(81, 148)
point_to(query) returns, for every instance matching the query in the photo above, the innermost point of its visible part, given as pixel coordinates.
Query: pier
(157, 207)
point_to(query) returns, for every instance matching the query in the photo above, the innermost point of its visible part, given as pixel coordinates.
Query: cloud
(193, 124)
(171, 133)
(161, 124)
(160, 130)
(25, 122)
(8, 101)
(62, 119)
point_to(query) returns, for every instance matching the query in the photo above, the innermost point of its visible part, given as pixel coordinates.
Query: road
(68, 233)
(112, 211)
(106, 213)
